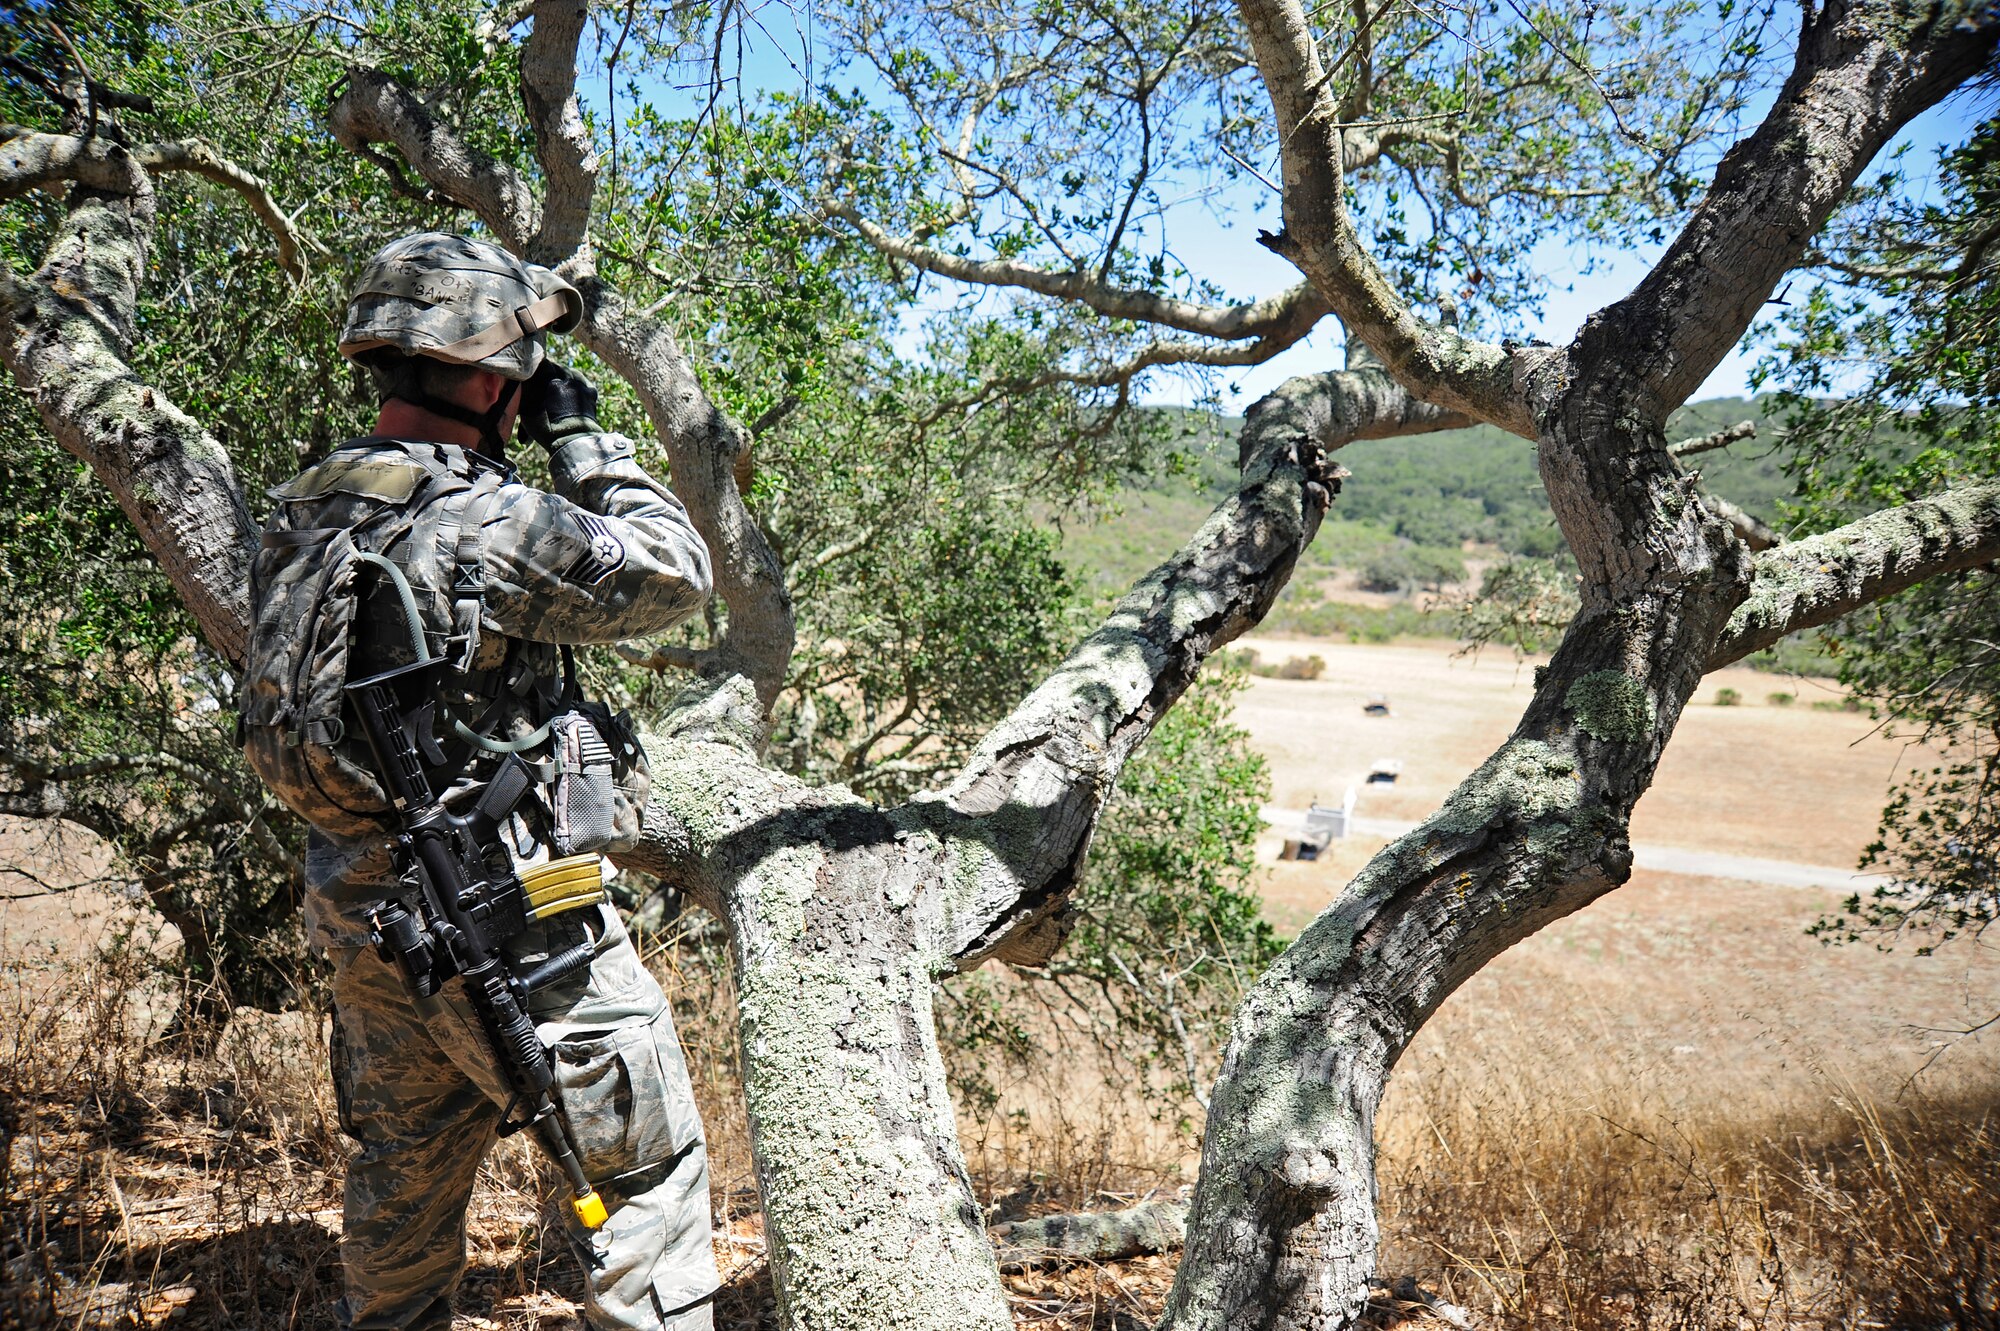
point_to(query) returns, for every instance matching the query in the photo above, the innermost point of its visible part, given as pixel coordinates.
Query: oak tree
(1412, 146)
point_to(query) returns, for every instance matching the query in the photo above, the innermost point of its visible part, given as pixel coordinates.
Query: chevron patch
(604, 555)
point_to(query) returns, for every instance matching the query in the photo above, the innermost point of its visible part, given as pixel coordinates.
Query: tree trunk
(835, 929)
(843, 916)
(1283, 1231)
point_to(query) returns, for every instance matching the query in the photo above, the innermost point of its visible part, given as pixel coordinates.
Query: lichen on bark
(1612, 706)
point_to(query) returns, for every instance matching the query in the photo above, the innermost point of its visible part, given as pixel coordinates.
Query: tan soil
(1716, 976)
(1782, 783)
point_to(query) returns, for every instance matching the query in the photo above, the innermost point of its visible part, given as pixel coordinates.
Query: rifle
(470, 899)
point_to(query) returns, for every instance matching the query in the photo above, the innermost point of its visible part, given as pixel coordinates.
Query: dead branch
(1089, 1236)
(1753, 530)
(1708, 443)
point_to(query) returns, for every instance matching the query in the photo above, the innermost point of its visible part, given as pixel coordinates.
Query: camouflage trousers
(418, 1094)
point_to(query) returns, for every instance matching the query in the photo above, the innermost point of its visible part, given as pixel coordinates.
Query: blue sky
(1218, 240)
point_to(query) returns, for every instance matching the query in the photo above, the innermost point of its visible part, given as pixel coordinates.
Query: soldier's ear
(484, 389)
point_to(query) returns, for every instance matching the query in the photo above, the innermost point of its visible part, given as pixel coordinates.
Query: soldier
(497, 577)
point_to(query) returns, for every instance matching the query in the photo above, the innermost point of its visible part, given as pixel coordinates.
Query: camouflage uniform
(418, 1093)
(609, 555)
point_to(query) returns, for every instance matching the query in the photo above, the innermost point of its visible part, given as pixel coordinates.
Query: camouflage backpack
(310, 593)
(347, 582)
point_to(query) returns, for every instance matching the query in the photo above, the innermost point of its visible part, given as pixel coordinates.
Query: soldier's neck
(406, 420)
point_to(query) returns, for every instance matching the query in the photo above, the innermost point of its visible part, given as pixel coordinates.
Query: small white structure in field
(1324, 825)
(1385, 771)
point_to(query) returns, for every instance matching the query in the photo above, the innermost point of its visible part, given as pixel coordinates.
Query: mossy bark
(65, 333)
(844, 916)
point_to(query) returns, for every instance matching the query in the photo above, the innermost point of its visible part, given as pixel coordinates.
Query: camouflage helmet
(460, 301)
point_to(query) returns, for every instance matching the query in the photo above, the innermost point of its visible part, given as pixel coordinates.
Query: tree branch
(1876, 272)
(1291, 312)
(1021, 812)
(671, 656)
(834, 552)
(1089, 1236)
(31, 160)
(704, 445)
(198, 157)
(1708, 443)
(374, 107)
(1806, 583)
(1753, 530)
(1863, 72)
(64, 335)
(562, 142)
(229, 803)
(1120, 374)
(1473, 378)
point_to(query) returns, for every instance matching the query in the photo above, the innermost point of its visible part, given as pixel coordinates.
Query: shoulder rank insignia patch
(605, 555)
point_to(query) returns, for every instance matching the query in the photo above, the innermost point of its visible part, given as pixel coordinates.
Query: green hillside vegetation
(1403, 519)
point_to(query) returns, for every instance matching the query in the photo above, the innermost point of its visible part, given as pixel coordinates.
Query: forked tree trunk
(845, 916)
(836, 933)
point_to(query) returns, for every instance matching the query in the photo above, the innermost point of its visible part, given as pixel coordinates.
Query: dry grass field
(1673, 1110)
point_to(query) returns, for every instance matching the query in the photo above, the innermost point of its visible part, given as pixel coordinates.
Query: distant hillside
(1433, 492)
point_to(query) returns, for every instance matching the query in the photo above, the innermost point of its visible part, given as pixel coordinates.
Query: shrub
(1727, 697)
(1406, 567)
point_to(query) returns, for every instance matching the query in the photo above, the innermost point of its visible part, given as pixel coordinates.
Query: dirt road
(1660, 859)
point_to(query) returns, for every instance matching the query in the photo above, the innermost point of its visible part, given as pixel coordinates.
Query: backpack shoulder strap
(461, 531)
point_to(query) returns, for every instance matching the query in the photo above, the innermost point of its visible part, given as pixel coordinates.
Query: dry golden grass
(1575, 1195)
(1547, 1161)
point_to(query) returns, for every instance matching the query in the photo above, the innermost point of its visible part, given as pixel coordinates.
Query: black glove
(556, 404)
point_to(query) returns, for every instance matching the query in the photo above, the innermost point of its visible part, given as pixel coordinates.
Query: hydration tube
(421, 645)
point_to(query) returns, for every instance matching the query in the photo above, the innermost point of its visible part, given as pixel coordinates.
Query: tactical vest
(326, 611)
